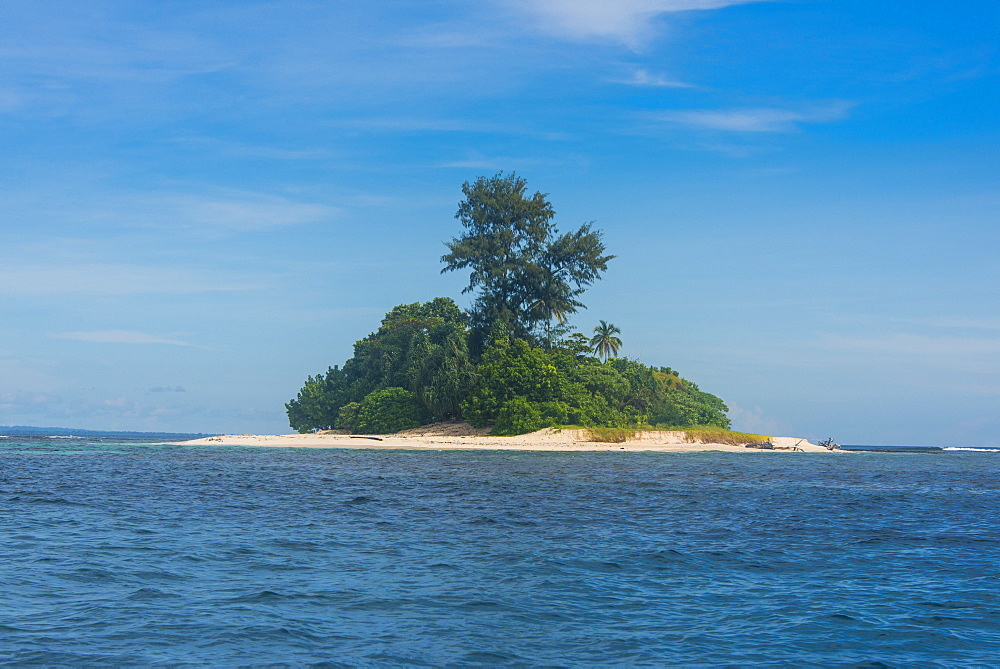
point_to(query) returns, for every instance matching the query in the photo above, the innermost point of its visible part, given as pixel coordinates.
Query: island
(512, 371)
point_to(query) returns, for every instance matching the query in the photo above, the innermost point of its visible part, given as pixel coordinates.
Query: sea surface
(122, 553)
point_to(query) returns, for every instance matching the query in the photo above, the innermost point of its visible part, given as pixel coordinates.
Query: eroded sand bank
(463, 436)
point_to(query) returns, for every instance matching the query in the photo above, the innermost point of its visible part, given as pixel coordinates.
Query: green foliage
(347, 417)
(575, 344)
(688, 406)
(520, 387)
(604, 341)
(420, 347)
(441, 370)
(527, 273)
(518, 416)
(389, 410)
(510, 370)
(315, 407)
(515, 387)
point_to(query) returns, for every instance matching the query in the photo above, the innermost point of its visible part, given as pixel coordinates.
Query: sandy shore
(462, 436)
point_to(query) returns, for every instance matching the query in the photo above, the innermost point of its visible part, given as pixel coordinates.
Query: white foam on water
(963, 448)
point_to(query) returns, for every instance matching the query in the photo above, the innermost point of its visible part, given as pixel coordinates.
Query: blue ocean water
(116, 553)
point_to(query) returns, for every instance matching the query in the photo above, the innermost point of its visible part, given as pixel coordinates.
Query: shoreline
(451, 437)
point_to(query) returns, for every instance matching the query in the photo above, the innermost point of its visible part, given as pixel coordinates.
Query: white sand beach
(443, 436)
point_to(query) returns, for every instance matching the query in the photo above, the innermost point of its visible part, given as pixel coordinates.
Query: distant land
(30, 431)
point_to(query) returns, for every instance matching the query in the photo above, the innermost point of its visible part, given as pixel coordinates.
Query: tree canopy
(416, 368)
(528, 275)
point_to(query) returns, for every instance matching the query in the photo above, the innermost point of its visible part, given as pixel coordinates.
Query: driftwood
(763, 445)
(828, 444)
(361, 436)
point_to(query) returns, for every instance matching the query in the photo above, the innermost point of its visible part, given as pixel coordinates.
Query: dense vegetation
(512, 361)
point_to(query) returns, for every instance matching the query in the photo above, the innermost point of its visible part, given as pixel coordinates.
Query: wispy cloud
(240, 211)
(974, 350)
(21, 399)
(241, 150)
(113, 279)
(121, 337)
(756, 120)
(196, 207)
(480, 163)
(477, 161)
(627, 21)
(756, 421)
(954, 322)
(645, 78)
(405, 124)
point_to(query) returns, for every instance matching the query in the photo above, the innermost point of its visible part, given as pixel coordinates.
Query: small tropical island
(512, 365)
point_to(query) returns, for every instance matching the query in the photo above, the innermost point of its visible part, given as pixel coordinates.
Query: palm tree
(604, 341)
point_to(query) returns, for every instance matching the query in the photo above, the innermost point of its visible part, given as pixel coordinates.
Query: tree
(388, 410)
(420, 347)
(527, 274)
(318, 402)
(441, 372)
(604, 341)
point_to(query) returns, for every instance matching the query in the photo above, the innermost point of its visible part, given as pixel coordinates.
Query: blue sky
(203, 203)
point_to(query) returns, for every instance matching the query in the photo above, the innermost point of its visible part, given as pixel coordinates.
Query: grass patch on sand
(707, 434)
(698, 434)
(611, 435)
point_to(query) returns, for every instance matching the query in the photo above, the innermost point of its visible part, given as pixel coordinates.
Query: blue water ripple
(117, 553)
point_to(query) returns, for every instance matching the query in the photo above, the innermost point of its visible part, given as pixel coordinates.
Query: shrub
(389, 410)
(518, 416)
(347, 418)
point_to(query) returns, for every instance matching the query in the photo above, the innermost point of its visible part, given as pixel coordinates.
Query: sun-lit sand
(463, 436)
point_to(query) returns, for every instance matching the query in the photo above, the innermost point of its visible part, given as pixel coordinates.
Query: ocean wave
(964, 448)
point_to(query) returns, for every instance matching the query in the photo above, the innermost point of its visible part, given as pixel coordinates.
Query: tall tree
(604, 341)
(526, 272)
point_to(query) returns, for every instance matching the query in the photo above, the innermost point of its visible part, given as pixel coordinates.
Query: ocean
(114, 552)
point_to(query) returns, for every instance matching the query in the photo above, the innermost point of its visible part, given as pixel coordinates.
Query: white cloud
(953, 322)
(762, 119)
(112, 279)
(213, 145)
(120, 403)
(121, 337)
(21, 399)
(928, 348)
(275, 153)
(478, 161)
(238, 210)
(645, 78)
(403, 124)
(80, 202)
(626, 21)
(754, 420)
